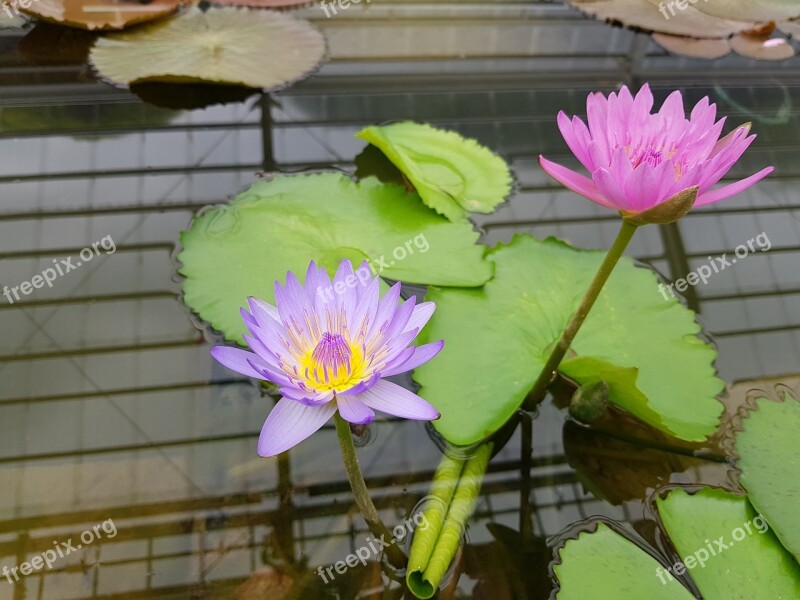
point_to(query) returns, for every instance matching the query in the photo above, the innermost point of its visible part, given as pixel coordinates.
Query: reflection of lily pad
(190, 96)
(48, 44)
(237, 46)
(242, 248)
(100, 14)
(768, 458)
(499, 337)
(453, 175)
(604, 564)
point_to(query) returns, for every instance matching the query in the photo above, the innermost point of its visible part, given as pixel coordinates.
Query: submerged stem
(361, 494)
(565, 341)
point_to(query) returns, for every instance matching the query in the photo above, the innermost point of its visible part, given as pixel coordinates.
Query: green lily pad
(603, 564)
(237, 46)
(727, 547)
(453, 175)
(240, 249)
(748, 564)
(499, 337)
(770, 466)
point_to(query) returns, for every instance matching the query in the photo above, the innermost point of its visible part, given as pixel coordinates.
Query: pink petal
(576, 182)
(732, 189)
(575, 140)
(290, 423)
(610, 188)
(354, 411)
(421, 355)
(390, 398)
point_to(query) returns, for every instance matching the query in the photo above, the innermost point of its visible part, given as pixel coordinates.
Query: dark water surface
(112, 410)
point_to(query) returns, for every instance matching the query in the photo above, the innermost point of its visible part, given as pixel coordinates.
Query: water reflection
(111, 408)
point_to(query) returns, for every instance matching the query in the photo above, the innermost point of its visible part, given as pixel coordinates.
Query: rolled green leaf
(430, 559)
(443, 486)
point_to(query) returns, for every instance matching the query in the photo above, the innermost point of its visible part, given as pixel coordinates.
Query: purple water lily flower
(328, 346)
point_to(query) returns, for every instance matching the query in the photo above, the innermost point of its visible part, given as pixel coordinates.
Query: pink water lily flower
(328, 346)
(638, 160)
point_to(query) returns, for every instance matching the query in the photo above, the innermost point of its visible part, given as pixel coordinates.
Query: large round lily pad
(770, 465)
(499, 337)
(242, 248)
(453, 175)
(238, 46)
(99, 14)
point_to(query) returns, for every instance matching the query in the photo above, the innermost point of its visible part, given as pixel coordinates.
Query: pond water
(113, 412)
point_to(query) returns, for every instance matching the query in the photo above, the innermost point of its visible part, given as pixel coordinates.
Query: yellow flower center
(334, 364)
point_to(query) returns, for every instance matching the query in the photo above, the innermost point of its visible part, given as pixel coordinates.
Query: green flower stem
(611, 259)
(361, 494)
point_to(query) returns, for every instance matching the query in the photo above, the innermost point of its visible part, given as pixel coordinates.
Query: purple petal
(386, 309)
(344, 287)
(290, 423)
(420, 316)
(354, 411)
(421, 355)
(263, 311)
(392, 399)
(306, 397)
(238, 360)
(576, 182)
(732, 189)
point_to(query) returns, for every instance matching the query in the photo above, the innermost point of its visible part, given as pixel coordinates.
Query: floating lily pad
(693, 47)
(499, 337)
(100, 14)
(654, 15)
(727, 547)
(237, 46)
(453, 175)
(603, 564)
(762, 48)
(770, 465)
(757, 11)
(241, 249)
